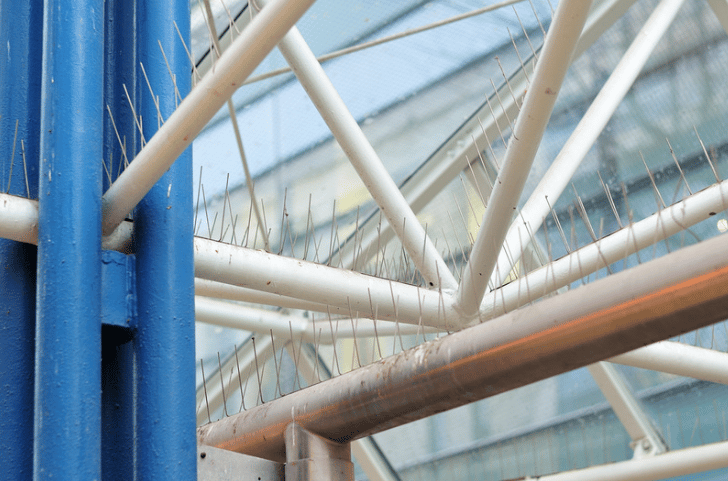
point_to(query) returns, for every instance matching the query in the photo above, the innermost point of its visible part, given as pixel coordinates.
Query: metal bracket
(118, 298)
(311, 457)
(214, 464)
(646, 440)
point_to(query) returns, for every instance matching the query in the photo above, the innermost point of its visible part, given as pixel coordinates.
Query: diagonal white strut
(555, 59)
(365, 160)
(585, 134)
(181, 128)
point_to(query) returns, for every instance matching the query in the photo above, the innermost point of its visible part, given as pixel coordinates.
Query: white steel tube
(585, 134)
(666, 465)
(178, 131)
(219, 290)
(236, 316)
(679, 359)
(365, 160)
(550, 71)
(226, 314)
(607, 250)
(363, 295)
(18, 219)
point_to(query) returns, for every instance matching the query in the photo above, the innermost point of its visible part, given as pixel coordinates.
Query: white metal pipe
(226, 314)
(551, 68)
(679, 359)
(323, 330)
(364, 296)
(607, 250)
(371, 459)
(720, 9)
(219, 290)
(667, 465)
(211, 93)
(365, 160)
(585, 134)
(18, 219)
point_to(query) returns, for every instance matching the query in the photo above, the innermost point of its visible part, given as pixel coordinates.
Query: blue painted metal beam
(118, 376)
(166, 446)
(67, 441)
(20, 73)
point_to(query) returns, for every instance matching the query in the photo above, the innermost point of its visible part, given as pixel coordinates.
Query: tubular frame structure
(171, 278)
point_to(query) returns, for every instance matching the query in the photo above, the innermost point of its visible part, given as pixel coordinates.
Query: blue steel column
(20, 71)
(67, 442)
(118, 383)
(166, 446)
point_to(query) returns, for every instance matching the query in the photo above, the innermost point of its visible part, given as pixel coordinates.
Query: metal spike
(240, 380)
(538, 20)
(705, 151)
(222, 385)
(257, 372)
(204, 388)
(679, 168)
(12, 156)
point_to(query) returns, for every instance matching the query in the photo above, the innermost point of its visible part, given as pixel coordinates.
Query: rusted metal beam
(689, 290)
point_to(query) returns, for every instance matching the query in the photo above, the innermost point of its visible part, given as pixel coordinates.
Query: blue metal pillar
(20, 71)
(67, 441)
(118, 383)
(166, 446)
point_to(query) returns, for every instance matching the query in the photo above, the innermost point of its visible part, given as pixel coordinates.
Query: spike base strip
(177, 133)
(368, 296)
(551, 68)
(236, 316)
(559, 334)
(610, 249)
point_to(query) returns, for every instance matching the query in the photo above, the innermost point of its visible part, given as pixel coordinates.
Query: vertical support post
(20, 74)
(67, 436)
(120, 133)
(166, 445)
(310, 457)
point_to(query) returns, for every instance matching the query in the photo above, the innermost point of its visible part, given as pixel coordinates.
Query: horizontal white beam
(309, 329)
(679, 359)
(597, 321)
(362, 295)
(666, 465)
(18, 219)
